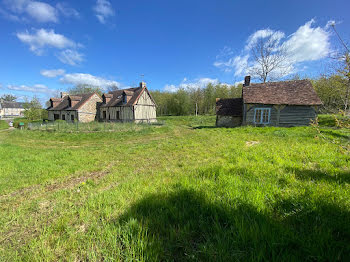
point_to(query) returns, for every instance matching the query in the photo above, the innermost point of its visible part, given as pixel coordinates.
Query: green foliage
(183, 191)
(8, 97)
(185, 101)
(33, 110)
(331, 91)
(84, 89)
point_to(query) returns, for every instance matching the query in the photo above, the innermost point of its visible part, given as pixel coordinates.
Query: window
(56, 116)
(118, 115)
(63, 117)
(72, 117)
(104, 114)
(262, 115)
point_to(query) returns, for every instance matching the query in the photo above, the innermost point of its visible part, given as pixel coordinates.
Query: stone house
(11, 109)
(81, 107)
(128, 105)
(285, 103)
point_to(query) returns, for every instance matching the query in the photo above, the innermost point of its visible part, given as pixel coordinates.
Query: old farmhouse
(125, 105)
(286, 103)
(129, 105)
(81, 107)
(11, 109)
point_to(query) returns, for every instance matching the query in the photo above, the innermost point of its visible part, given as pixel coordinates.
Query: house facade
(81, 107)
(11, 109)
(125, 105)
(128, 105)
(286, 104)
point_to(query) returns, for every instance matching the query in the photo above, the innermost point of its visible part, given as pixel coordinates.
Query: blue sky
(48, 46)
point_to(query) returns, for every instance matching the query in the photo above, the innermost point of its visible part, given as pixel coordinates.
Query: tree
(84, 89)
(112, 88)
(270, 59)
(343, 68)
(33, 109)
(8, 97)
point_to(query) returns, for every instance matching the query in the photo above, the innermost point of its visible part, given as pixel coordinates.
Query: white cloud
(70, 57)
(87, 79)
(103, 10)
(42, 12)
(45, 38)
(34, 89)
(67, 11)
(52, 73)
(186, 84)
(308, 43)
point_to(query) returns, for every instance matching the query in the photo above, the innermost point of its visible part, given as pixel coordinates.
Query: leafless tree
(270, 59)
(343, 68)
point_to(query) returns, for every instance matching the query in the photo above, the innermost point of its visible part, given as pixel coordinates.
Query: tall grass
(183, 191)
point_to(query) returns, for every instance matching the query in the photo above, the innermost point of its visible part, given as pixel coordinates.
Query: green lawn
(182, 191)
(3, 125)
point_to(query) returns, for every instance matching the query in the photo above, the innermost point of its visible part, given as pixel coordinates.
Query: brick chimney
(246, 81)
(142, 84)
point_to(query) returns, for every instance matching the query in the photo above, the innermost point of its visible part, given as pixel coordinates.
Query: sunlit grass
(181, 191)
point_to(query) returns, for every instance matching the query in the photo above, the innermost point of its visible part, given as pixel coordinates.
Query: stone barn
(285, 103)
(129, 105)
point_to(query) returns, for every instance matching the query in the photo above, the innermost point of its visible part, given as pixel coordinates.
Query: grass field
(3, 125)
(182, 191)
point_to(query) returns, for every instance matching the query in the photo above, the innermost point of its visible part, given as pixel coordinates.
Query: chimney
(63, 94)
(142, 84)
(247, 81)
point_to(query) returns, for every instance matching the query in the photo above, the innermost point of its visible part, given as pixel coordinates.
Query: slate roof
(8, 104)
(132, 94)
(229, 106)
(296, 92)
(64, 105)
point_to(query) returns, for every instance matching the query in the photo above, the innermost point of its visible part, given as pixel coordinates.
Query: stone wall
(228, 121)
(88, 111)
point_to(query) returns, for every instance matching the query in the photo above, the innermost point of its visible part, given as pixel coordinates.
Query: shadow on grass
(184, 225)
(318, 175)
(204, 127)
(335, 134)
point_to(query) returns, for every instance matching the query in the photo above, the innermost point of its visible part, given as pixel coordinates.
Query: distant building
(125, 105)
(129, 105)
(285, 103)
(80, 107)
(11, 109)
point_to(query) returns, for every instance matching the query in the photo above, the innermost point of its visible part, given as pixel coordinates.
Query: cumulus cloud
(308, 43)
(42, 12)
(38, 88)
(42, 38)
(87, 79)
(70, 57)
(103, 10)
(66, 10)
(52, 73)
(186, 84)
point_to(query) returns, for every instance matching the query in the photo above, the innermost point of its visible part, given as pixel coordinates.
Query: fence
(63, 126)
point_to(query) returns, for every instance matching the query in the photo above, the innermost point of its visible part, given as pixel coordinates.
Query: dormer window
(125, 99)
